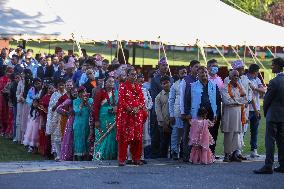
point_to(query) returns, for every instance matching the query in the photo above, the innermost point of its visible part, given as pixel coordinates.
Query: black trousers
(165, 140)
(155, 136)
(274, 132)
(215, 129)
(185, 141)
(214, 132)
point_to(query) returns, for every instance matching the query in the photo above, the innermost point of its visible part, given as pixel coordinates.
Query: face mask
(214, 70)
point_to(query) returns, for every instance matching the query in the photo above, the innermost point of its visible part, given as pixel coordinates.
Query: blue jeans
(254, 123)
(176, 135)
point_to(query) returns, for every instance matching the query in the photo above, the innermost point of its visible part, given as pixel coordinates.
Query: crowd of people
(88, 108)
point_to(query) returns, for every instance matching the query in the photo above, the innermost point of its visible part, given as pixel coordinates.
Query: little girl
(201, 139)
(31, 137)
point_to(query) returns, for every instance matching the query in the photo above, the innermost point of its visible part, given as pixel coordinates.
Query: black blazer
(273, 104)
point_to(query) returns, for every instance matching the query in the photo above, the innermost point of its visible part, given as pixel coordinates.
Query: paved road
(156, 174)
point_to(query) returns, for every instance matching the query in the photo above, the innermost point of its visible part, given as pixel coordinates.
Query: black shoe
(129, 162)
(227, 158)
(144, 161)
(175, 156)
(263, 170)
(279, 169)
(235, 158)
(240, 156)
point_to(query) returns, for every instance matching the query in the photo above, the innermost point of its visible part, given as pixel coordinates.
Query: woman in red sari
(45, 140)
(4, 108)
(131, 116)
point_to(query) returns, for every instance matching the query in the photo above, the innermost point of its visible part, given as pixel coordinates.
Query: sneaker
(57, 159)
(15, 140)
(30, 149)
(254, 154)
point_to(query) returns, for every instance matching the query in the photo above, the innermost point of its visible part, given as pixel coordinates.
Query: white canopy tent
(179, 22)
(29, 20)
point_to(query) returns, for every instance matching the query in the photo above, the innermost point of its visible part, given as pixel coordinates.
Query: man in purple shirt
(185, 102)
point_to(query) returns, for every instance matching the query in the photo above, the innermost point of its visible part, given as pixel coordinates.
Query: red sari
(129, 125)
(44, 140)
(4, 109)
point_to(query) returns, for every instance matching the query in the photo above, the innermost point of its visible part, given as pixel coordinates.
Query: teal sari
(107, 148)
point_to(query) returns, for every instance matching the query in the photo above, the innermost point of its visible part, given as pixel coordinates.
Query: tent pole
(174, 55)
(166, 58)
(198, 58)
(133, 53)
(78, 45)
(245, 54)
(24, 44)
(255, 58)
(73, 46)
(49, 47)
(271, 52)
(165, 54)
(122, 52)
(224, 58)
(117, 49)
(159, 50)
(143, 53)
(202, 53)
(111, 51)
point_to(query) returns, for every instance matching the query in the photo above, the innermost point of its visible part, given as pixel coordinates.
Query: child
(201, 139)
(31, 137)
(163, 116)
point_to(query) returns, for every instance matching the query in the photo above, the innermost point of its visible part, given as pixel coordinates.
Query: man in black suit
(273, 106)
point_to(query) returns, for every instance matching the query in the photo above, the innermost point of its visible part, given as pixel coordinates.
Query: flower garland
(242, 94)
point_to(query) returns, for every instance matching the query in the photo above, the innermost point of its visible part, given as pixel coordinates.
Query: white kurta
(53, 120)
(231, 119)
(148, 105)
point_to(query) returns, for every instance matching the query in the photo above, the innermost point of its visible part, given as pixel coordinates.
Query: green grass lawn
(246, 149)
(10, 151)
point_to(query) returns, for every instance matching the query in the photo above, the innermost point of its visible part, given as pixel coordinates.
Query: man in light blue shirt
(175, 116)
(28, 62)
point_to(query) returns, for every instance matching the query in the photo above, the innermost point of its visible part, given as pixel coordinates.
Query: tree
(275, 14)
(257, 8)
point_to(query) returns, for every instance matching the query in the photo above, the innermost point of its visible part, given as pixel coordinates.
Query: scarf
(242, 94)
